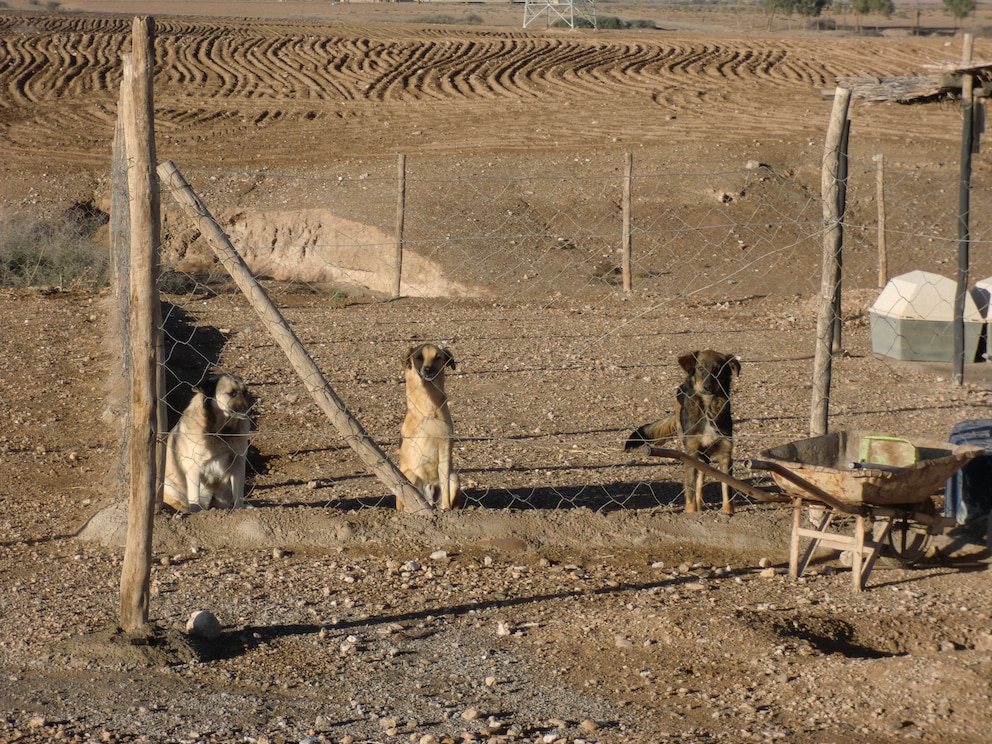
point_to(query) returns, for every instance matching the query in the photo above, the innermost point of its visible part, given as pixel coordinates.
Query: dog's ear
(688, 361)
(449, 361)
(408, 356)
(207, 386)
(734, 362)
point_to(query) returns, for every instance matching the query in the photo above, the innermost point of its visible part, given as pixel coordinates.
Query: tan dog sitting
(205, 454)
(425, 452)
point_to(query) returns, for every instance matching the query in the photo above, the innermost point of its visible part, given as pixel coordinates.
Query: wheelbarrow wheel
(908, 541)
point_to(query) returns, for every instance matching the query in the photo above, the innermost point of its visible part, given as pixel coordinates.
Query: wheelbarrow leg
(797, 566)
(857, 555)
(863, 546)
(865, 552)
(797, 516)
(880, 530)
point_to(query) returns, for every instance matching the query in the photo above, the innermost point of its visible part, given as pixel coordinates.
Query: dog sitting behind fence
(703, 421)
(205, 453)
(425, 452)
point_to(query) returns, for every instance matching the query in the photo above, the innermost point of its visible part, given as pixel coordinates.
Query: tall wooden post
(626, 247)
(139, 136)
(836, 343)
(830, 190)
(400, 219)
(964, 209)
(883, 259)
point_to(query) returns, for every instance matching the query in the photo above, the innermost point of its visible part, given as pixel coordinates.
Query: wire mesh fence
(517, 272)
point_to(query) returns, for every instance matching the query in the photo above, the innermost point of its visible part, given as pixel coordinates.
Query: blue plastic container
(968, 495)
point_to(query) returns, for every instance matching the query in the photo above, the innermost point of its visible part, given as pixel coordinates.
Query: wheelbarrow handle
(815, 492)
(706, 469)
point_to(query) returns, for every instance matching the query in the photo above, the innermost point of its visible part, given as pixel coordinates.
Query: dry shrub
(60, 251)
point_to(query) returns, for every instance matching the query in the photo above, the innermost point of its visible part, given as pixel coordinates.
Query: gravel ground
(478, 646)
(344, 621)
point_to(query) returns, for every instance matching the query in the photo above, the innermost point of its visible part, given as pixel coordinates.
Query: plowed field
(307, 93)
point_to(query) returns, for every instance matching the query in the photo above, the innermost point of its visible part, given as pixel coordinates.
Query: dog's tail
(651, 434)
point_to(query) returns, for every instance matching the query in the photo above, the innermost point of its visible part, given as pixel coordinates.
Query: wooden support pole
(302, 362)
(836, 343)
(400, 220)
(883, 259)
(139, 135)
(626, 247)
(964, 210)
(830, 190)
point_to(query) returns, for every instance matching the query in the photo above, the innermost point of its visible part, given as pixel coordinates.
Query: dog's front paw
(432, 493)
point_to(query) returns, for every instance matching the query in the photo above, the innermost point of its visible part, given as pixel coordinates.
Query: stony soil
(572, 600)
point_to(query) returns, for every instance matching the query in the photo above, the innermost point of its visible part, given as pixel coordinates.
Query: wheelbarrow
(885, 483)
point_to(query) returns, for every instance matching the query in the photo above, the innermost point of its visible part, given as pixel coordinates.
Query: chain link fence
(518, 272)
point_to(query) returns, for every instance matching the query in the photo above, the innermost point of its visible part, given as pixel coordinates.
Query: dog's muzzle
(429, 373)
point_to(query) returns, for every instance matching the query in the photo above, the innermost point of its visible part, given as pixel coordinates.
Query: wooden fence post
(400, 218)
(302, 362)
(139, 136)
(830, 190)
(836, 344)
(883, 259)
(626, 247)
(964, 210)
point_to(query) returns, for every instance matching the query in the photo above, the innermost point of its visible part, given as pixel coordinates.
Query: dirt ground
(572, 600)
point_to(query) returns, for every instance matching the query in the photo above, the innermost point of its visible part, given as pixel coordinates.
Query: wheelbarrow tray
(896, 471)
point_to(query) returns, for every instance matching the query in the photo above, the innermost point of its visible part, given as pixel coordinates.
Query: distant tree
(807, 8)
(860, 8)
(784, 7)
(841, 8)
(959, 9)
(883, 8)
(780, 6)
(811, 8)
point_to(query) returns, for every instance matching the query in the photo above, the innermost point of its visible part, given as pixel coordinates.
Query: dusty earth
(572, 600)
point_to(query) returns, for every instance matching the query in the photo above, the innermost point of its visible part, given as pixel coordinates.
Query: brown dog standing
(703, 421)
(425, 452)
